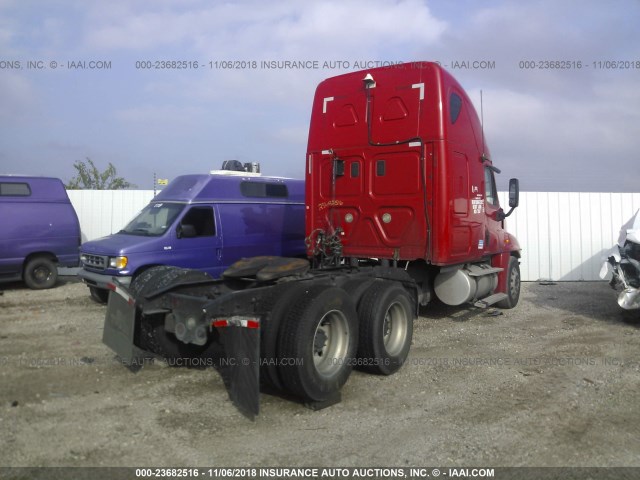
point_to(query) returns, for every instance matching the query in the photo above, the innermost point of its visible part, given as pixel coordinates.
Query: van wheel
(99, 295)
(40, 273)
(513, 285)
(386, 328)
(318, 343)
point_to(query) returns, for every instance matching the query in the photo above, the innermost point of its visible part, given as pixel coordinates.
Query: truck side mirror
(514, 198)
(514, 193)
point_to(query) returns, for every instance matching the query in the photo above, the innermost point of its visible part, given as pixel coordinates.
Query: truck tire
(40, 273)
(318, 342)
(99, 295)
(275, 309)
(513, 285)
(356, 288)
(385, 318)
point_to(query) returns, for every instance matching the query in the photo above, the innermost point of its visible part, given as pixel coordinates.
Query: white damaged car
(623, 261)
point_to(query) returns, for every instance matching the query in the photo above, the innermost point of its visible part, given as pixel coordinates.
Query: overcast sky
(575, 128)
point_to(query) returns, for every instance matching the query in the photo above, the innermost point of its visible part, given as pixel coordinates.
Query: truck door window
(201, 218)
(490, 191)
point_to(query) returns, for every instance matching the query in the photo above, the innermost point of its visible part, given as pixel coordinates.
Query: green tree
(90, 178)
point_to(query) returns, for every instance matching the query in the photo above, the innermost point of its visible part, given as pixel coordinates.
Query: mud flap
(240, 366)
(119, 329)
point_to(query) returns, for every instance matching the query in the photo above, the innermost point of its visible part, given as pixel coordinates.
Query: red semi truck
(401, 207)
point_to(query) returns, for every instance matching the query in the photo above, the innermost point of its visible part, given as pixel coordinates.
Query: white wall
(103, 212)
(563, 235)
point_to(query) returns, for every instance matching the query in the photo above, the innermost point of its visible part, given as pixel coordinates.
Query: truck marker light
(386, 218)
(348, 218)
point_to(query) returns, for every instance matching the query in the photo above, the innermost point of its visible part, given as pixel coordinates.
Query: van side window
(490, 192)
(14, 189)
(264, 189)
(455, 106)
(201, 218)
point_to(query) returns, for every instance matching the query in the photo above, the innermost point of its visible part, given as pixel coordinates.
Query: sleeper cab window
(455, 106)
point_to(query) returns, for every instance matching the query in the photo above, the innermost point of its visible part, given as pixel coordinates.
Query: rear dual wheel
(274, 311)
(327, 337)
(385, 315)
(317, 343)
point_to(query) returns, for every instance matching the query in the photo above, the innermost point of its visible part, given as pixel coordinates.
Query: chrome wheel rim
(394, 328)
(330, 343)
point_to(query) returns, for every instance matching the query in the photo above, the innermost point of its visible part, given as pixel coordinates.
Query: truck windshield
(153, 220)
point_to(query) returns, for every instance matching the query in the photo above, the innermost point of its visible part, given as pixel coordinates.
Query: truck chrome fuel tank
(461, 284)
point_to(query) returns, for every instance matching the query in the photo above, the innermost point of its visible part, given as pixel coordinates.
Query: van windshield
(153, 220)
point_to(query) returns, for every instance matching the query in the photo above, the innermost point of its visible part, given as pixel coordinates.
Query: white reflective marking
(324, 104)
(421, 87)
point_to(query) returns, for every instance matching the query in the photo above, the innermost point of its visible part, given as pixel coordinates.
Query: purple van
(206, 222)
(40, 230)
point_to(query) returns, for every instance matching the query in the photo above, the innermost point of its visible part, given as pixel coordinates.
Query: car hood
(121, 243)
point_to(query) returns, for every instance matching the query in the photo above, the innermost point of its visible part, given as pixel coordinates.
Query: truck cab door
(493, 214)
(198, 241)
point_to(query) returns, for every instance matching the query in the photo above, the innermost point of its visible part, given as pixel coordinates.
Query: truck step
(490, 300)
(478, 271)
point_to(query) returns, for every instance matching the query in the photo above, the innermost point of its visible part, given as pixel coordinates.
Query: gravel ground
(554, 382)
